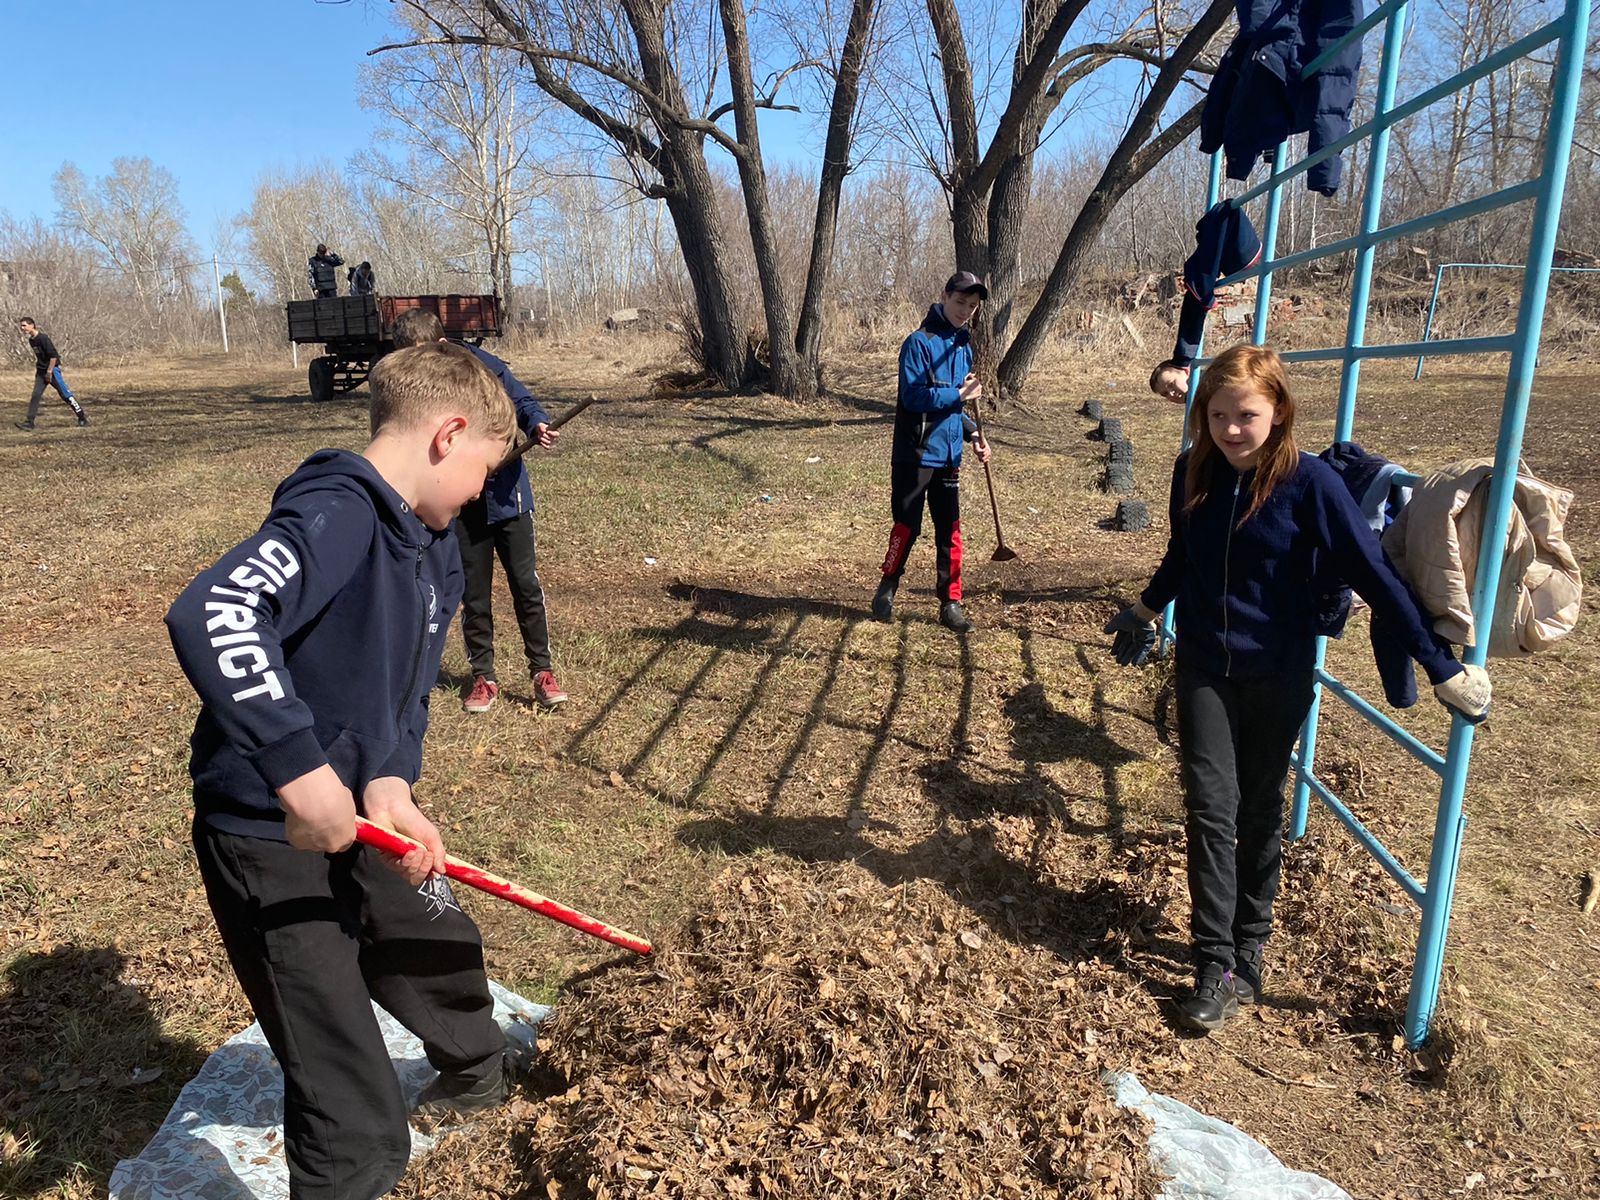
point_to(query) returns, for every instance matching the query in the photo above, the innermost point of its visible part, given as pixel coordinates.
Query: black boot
(1213, 1001)
(952, 618)
(1248, 961)
(455, 1096)
(25, 426)
(83, 417)
(883, 601)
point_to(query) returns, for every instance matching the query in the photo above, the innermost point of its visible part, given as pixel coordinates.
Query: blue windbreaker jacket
(930, 425)
(314, 641)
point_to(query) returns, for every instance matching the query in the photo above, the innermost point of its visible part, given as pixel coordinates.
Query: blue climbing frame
(1438, 278)
(1570, 30)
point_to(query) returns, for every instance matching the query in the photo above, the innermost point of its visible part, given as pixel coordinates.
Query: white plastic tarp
(1207, 1159)
(223, 1139)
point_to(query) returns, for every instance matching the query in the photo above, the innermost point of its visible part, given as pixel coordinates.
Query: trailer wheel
(319, 378)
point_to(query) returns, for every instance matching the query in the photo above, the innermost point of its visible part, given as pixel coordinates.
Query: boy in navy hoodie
(930, 426)
(313, 646)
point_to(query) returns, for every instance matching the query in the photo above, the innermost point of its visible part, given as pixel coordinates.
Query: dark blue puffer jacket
(930, 425)
(507, 494)
(1261, 94)
(314, 642)
(1247, 594)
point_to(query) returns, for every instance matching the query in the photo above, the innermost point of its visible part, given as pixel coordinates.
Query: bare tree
(990, 187)
(468, 135)
(135, 221)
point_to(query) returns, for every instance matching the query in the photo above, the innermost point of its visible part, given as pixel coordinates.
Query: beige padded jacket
(1435, 543)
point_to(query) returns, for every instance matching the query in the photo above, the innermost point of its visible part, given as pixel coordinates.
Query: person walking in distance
(930, 427)
(46, 373)
(322, 272)
(498, 523)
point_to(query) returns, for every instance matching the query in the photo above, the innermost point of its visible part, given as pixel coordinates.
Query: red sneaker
(482, 696)
(547, 691)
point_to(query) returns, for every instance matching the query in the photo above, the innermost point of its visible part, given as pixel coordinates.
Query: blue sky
(216, 91)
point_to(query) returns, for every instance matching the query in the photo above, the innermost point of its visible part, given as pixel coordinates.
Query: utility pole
(222, 316)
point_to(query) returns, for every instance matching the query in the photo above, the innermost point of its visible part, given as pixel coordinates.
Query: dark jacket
(929, 422)
(508, 494)
(321, 272)
(314, 641)
(1260, 93)
(1369, 478)
(1246, 594)
(1224, 242)
(43, 351)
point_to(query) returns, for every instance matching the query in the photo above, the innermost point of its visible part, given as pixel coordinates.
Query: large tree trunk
(787, 379)
(692, 201)
(693, 205)
(1133, 158)
(830, 186)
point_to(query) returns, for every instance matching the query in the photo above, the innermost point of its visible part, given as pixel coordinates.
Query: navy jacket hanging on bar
(1261, 95)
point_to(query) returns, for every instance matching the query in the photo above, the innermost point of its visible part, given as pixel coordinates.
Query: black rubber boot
(1213, 1001)
(453, 1096)
(952, 618)
(1248, 961)
(883, 601)
(25, 426)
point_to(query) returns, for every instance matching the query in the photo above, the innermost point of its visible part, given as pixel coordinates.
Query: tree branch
(667, 114)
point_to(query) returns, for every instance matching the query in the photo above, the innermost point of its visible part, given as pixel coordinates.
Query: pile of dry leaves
(813, 1032)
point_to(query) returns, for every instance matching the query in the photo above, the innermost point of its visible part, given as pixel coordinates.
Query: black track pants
(1235, 737)
(512, 541)
(314, 939)
(909, 484)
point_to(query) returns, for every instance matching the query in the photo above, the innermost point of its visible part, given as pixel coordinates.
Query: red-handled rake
(399, 845)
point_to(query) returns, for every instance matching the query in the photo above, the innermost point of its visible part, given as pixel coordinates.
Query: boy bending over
(313, 646)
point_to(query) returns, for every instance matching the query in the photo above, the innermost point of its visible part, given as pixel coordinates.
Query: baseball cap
(966, 281)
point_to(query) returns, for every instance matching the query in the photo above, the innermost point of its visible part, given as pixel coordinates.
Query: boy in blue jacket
(313, 646)
(499, 524)
(930, 426)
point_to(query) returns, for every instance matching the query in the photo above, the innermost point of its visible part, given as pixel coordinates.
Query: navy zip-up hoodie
(315, 641)
(507, 494)
(929, 422)
(1247, 594)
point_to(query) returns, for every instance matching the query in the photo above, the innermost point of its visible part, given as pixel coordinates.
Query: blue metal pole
(1566, 83)
(1355, 335)
(1269, 250)
(1169, 628)
(1427, 326)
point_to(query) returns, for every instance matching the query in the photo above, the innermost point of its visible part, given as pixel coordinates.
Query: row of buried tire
(1131, 515)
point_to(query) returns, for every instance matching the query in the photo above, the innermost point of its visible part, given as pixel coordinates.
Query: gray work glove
(1468, 694)
(1135, 637)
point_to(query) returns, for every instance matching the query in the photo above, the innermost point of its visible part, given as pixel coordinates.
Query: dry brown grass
(754, 718)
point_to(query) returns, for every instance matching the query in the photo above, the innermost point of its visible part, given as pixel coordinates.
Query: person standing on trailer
(322, 272)
(46, 373)
(498, 523)
(930, 427)
(1254, 526)
(363, 281)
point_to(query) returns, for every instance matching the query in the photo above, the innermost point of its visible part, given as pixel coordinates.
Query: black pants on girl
(1235, 737)
(909, 484)
(316, 938)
